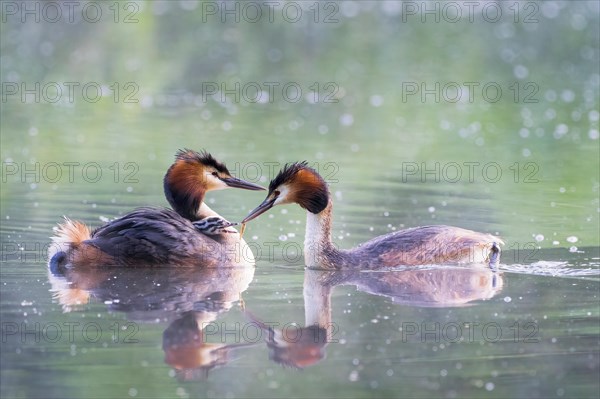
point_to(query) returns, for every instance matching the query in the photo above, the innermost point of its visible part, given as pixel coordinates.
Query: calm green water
(379, 115)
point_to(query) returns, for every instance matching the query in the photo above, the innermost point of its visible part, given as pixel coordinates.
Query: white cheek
(220, 184)
(283, 197)
(214, 183)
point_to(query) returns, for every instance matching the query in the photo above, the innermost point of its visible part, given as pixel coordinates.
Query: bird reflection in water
(187, 351)
(188, 299)
(422, 287)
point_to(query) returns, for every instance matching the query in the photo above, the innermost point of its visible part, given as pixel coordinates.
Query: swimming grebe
(415, 246)
(190, 234)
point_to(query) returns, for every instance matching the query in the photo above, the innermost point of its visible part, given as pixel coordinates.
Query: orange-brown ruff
(158, 236)
(297, 183)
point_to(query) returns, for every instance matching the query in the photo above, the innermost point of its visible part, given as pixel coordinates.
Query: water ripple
(553, 268)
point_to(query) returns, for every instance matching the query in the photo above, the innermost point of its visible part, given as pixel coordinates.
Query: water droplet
(521, 71)
(274, 55)
(346, 120)
(550, 96)
(376, 100)
(560, 130)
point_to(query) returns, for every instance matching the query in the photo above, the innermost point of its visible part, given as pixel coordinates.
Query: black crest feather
(312, 194)
(202, 157)
(183, 190)
(286, 174)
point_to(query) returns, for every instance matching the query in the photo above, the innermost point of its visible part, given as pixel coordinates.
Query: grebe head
(296, 183)
(192, 175)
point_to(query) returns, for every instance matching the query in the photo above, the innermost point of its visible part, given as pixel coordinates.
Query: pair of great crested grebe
(192, 234)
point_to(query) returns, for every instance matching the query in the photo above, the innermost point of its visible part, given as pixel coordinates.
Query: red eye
(215, 174)
(277, 192)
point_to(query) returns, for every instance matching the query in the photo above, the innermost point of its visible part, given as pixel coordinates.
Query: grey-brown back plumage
(426, 244)
(155, 236)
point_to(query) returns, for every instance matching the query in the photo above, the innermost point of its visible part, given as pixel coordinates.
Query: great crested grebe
(415, 246)
(190, 234)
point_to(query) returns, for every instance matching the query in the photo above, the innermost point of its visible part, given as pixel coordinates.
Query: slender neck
(204, 211)
(186, 199)
(189, 209)
(319, 251)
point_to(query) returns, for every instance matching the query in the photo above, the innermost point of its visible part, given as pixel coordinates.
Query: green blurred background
(159, 64)
(379, 115)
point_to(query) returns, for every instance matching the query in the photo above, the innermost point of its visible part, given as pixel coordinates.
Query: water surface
(525, 170)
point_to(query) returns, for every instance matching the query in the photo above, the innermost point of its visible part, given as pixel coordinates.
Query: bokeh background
(483, 115)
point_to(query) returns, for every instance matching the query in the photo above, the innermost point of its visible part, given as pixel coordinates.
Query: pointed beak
(259, 210)
(238, 183)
